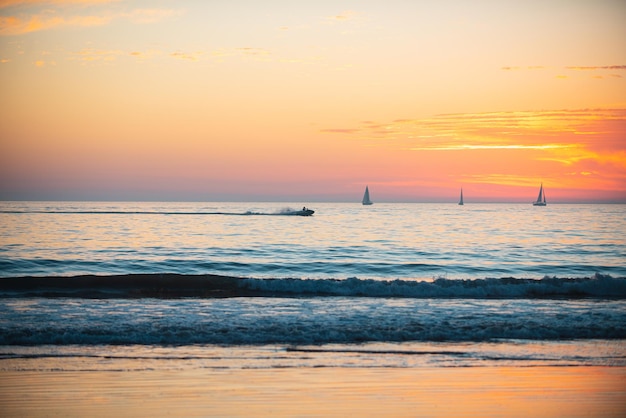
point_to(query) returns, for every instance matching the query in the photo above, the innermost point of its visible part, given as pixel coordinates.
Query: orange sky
(311, 101)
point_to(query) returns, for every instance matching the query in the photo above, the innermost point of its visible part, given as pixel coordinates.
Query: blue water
(384, 241)
(389, 285)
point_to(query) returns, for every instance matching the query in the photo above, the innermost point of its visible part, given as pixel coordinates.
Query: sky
(305, 101)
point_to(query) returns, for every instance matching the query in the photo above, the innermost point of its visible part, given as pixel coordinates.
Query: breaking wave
(208, 286)
(549, 287)
(304, 321)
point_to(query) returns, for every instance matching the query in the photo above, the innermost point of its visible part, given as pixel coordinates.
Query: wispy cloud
(566, 136)
(343, 16)
(57, 14)
(11, 3)
(592, 68)
(11, 25)
(500, 179)
(144, 55)
(457, 147)
(252, 51)
(219, 55)
(595, 68)
(147, 16)
(341, 130)
(188, 56)
(530, 67)
(93, 54)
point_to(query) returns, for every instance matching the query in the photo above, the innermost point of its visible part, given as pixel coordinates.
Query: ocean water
(389, 285)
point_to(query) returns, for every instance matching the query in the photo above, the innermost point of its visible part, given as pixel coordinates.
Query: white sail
(366, 197)
(461, 200)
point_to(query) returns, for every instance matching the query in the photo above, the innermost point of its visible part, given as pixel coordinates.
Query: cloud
(455, 147)
(341, 130)
(343, 16)
(11, 25)
(248, 53)
(595, 68)
(147, 16)
(187, 56)
(144, 55)
(252, 51)
(571, 68)
(93, 54)
(27, 21)
(104, 55)
(11, 3)
(550, 143)
(530, 67)
(566, 136)
(501, 179)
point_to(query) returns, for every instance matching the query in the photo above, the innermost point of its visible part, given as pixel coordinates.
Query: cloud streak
(461, 147)
(11, 25)
(11, 3)
(565, 137)
(595, 68)
(343, 16)
(341, 130)
(569, 67)
(188, 56)
(29, 21)
(530, 67)
(92, 54)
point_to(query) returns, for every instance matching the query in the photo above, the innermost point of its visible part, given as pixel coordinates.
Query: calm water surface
(383, 241)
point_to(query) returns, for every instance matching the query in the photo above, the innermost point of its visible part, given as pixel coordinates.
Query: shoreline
(435, 392)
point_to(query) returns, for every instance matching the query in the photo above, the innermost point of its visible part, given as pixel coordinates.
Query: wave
(215, 286)
(506, 288)
(313, 321)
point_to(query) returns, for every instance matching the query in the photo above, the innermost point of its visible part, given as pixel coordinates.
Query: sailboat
(461, 200)
(541, 199)
(366, 197)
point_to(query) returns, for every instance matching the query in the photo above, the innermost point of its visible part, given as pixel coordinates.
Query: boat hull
(306, 212)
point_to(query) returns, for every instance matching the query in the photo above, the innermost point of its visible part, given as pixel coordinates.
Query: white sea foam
(302, 321)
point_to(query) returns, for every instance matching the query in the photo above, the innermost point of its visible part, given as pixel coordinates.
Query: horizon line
(356, 202)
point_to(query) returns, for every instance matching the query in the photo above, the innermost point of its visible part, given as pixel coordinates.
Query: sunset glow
(292, 101)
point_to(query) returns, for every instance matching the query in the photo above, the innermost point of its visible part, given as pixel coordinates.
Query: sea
(392, 285)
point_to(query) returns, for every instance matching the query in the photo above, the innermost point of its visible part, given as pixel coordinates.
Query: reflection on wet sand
(433, 392)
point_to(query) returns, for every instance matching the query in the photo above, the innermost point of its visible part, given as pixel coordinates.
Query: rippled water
(383, 241)
(390, 285)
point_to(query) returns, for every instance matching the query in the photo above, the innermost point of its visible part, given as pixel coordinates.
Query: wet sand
(431, 392)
